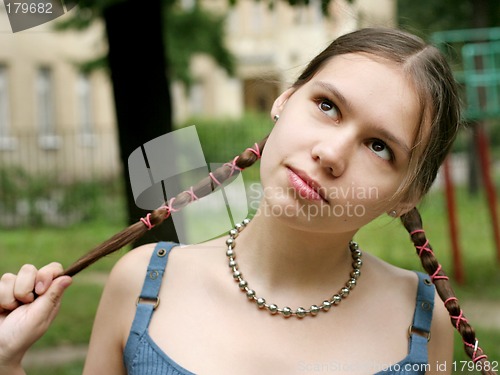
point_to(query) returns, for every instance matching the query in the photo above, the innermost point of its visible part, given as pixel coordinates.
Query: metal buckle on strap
(155, 301)
(418, 332)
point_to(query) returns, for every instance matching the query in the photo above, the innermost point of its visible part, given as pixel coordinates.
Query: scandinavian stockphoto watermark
(25, 14)
(344, 201)
(174, 162)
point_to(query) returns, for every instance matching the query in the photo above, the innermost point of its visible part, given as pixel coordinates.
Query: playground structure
(479, 59)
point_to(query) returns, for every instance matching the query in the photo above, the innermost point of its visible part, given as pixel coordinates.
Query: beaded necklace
(287, 312)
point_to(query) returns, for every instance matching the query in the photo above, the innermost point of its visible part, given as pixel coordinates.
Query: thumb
(47, 305)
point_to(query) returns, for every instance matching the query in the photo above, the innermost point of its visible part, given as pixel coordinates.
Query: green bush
(36, 200)
(223, 139)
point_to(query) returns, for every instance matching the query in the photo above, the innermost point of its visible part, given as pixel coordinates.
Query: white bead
(301, 312)
(287, 311)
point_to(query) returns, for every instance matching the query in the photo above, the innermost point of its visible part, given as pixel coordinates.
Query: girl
(289, 291)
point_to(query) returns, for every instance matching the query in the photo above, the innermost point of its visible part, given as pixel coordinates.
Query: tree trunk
(481, 13)
(138, 69)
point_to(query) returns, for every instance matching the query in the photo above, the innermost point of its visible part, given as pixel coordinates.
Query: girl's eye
(380, 149)
(328, 108)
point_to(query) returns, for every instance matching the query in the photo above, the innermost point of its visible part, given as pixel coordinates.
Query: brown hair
(413, 224)
(433, 82)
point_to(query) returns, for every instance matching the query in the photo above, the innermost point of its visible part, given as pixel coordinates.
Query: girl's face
(341, 146)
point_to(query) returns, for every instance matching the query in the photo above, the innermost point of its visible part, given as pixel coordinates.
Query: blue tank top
(142, 356)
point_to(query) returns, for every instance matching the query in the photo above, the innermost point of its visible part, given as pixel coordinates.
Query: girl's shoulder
(127, 275)
(402, 285)
(134, 263)
(133, 266)
(383, 272)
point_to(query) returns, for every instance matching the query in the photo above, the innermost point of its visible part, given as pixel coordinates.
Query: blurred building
(54, 118)
(271, 45)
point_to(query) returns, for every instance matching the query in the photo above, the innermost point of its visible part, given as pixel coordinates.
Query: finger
(7, 299)
(25, 284)
(25, 325)
(45, 276)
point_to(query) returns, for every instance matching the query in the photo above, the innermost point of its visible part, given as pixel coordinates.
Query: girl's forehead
(364, 80)
(359, 62)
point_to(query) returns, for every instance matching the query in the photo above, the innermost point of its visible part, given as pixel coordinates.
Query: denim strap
(148, 299)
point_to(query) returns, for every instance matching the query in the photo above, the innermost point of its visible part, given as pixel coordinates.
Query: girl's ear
(405, 204)
(402, 208)
(280, 102)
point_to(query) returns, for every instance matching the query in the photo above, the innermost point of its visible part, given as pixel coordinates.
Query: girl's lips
(305, 186)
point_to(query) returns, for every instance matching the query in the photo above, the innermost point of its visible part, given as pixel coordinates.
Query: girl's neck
(274, 254)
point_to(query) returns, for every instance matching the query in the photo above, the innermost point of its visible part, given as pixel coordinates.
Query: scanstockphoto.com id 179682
(460, 367)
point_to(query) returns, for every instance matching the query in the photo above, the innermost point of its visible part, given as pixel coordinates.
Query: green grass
(74, 322)
(384, 237)
(40, 246)
(74, 368)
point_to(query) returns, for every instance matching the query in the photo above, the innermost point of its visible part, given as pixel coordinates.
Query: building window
(6, 141)
(87, 137)
(45, 110)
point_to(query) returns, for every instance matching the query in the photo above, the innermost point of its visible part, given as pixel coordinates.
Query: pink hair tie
(233, 166)
(169, 207)
(192, 194)
(450, 299)
(167, 215)
(256, 151)
(475, 359)
(476, 348)
(147, 221)
(214, 178)
(459, 318)
(423, 248)
(435, 275)
(417, 231)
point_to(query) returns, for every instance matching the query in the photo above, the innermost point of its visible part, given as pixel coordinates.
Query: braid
(203, 188)
(412, 221)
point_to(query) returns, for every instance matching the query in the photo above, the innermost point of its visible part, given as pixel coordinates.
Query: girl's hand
(29, 302)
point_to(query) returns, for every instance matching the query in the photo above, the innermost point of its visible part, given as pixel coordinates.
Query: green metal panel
(466, 35)
(476, 67)
(481, 63)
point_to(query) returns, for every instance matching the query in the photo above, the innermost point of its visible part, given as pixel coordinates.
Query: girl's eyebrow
(345, 103)
(393, 139)
(335, 92)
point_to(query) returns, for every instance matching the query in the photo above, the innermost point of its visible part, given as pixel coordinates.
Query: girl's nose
(333, 154)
